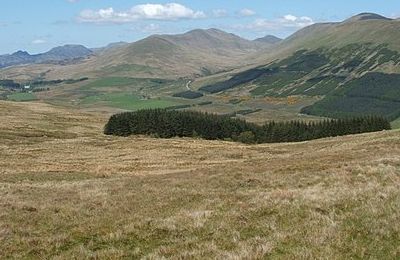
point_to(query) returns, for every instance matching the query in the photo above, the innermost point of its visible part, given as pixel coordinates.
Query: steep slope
(349, 32)
(332, 60)
(66, 52)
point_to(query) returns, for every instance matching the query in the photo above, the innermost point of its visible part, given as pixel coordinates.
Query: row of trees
(166, 124)
(6, 83)
(295, 131)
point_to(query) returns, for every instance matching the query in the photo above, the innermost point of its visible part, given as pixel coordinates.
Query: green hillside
(358, 29)
(374, 93)
(346, 64)
(195, 53)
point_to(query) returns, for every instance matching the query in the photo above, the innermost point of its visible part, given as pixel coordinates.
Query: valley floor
(67, 191)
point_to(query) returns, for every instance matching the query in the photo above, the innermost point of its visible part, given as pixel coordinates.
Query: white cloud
(290, 17)
(297, 22)
(171, 11)
(286, 22)
(220, 13)
(38, 41)
(246, 12)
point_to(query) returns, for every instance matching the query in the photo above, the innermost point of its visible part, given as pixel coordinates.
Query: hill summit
(197, 52)
(367, 16)
(270, 39)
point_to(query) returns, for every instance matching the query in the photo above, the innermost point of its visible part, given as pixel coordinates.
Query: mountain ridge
(191, 54)
(335, 61)
(60, 53)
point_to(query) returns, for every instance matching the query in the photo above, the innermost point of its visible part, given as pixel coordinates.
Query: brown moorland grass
(67, 191)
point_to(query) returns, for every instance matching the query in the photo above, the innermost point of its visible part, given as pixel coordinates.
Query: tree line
(171, 123)
(7, 83)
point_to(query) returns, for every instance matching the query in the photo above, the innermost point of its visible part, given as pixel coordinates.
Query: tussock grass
(67, 191)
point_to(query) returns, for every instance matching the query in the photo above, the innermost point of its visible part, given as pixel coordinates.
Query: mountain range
(353, 66)
(192, 54)
(62, 53)
(198, 52)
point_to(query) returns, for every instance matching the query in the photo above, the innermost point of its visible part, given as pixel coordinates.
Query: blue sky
(39, 25)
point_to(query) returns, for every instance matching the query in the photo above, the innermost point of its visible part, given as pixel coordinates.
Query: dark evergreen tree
(169, 123)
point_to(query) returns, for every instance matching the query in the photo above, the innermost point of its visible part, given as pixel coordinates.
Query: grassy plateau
(69, 192)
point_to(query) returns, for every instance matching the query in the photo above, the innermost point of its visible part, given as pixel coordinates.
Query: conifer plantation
(169, 123)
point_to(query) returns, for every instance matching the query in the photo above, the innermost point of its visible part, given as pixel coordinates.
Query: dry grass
(67, 191)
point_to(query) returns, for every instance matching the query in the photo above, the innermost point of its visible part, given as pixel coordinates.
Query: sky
(38, 25)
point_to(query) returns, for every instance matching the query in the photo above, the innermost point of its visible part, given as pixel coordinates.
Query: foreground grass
(66, 191)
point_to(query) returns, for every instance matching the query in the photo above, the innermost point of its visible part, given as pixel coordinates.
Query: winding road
(188, 85)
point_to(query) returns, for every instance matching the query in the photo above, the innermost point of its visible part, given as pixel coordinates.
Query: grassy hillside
(352, 31)
(360, 29)
(374, 93)
(67, 191)
(198, 52)
(313, 72)
(192, 54)
(348, 64)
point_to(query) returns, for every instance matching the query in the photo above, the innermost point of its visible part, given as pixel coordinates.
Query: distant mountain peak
(204, 37)
(215, 30)
(211, 31)
(61, 53)
(269, 39)
(367, 16)
(69, 51)
(21, 53)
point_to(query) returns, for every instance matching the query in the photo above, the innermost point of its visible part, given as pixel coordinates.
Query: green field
(22, 97)
(128, 101)
(130, 93)
(141, 86)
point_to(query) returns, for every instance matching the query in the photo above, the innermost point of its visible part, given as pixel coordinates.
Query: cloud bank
(167, 12)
